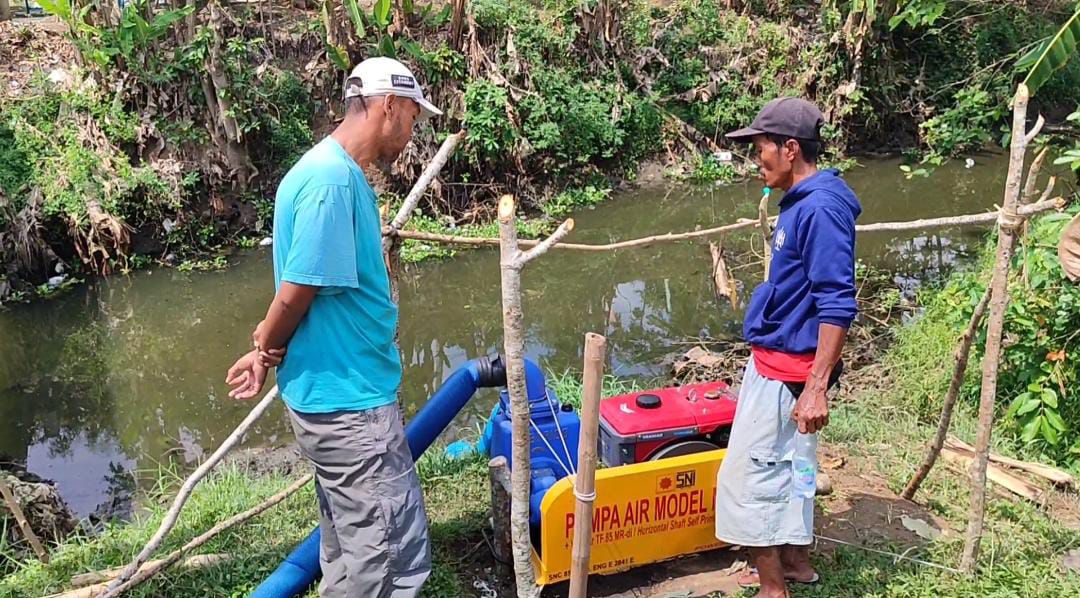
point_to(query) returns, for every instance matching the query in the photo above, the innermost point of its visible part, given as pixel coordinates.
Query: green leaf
(1050, 398)
(408, 7)
(1034, 387)
(1029, 405)
(338, 56)
(381, 11)
(1055, 420)
(386, 47)
(1051, 54)
(1048, 432)
(353, 9)
(1031, 429)
(60, 8)
(1016, 403)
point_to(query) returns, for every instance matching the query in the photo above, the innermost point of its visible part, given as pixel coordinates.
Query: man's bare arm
(812, 408)
(290, 305)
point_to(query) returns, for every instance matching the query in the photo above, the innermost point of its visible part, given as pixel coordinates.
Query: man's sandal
(744, 583)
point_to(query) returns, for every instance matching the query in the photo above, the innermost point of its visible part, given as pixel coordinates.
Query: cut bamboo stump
(585, 479)
(499, 476)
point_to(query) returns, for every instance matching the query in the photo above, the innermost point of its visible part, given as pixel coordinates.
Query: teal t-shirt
(327, 233)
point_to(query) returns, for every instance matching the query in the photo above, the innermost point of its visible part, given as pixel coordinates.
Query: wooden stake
(499, 476)
(585, 479)
(24, 525)
(511, 261)
(999, 296)
(963, 351)
(185, 492)
(766, 232)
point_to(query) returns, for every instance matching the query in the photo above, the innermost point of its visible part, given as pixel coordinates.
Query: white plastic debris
(266, 242)
(168, 224)
(56, 281)
(724, 156)
(969, 163)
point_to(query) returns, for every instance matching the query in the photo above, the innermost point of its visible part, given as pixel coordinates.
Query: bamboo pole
(585, 479)
(963, 351)
(511, 262)
(766, 232)
(24, 525)
(146, 572)
(964, 220)
(185, 492)
(1007, 227)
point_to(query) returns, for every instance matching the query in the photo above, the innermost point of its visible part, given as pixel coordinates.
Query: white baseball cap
(380, 76)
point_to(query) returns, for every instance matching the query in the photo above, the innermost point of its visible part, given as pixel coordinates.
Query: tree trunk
(224, 130)
(499, 477)
(1007, 226)
(5, 10)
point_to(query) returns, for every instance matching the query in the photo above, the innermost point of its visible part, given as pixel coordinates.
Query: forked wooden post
(1008, 223)
(499, 476)
(585, 479)
(511, 261)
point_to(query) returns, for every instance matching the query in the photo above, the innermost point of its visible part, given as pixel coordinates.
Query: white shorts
(755, 500)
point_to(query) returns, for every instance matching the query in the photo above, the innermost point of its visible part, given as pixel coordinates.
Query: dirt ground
(861, 510)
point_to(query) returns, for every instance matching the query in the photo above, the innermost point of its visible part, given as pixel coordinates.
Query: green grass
(879, 426)
(456, 495)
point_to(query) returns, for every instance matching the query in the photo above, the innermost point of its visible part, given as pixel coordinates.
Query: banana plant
(1051, 54)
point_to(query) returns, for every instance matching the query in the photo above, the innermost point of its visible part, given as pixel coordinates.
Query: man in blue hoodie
(796, 323)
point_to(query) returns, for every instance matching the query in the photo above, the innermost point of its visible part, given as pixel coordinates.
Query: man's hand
(246, 376)
(811, 410)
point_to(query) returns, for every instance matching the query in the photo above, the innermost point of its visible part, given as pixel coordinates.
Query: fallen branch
(146, 572)
(963, 351)
(185, 492)
(1052, 474)
(969, 219)
(93, 583)
(24, 525)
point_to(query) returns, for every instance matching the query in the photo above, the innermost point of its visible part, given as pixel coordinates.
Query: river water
(126, 373)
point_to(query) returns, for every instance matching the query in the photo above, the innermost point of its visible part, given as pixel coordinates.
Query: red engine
(654, 424)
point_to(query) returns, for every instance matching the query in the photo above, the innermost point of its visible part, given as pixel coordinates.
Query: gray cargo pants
(371, 512)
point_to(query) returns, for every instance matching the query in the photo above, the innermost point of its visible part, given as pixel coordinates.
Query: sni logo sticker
(779, 238)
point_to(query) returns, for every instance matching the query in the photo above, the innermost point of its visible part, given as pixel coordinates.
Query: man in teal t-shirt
(333, 314)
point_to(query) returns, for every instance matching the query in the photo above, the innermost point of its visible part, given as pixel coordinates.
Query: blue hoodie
(812, 273)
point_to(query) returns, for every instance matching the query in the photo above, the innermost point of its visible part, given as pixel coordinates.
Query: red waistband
(785, 367)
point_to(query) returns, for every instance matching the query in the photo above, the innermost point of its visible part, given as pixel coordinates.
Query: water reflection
(127, 372)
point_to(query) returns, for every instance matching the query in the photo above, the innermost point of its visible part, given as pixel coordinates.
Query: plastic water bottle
(804, 465)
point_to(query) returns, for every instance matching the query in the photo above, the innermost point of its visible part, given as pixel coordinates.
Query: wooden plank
(996, 475)
(1053, 474)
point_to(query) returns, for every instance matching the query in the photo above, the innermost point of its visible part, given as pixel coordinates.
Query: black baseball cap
(790, 117)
